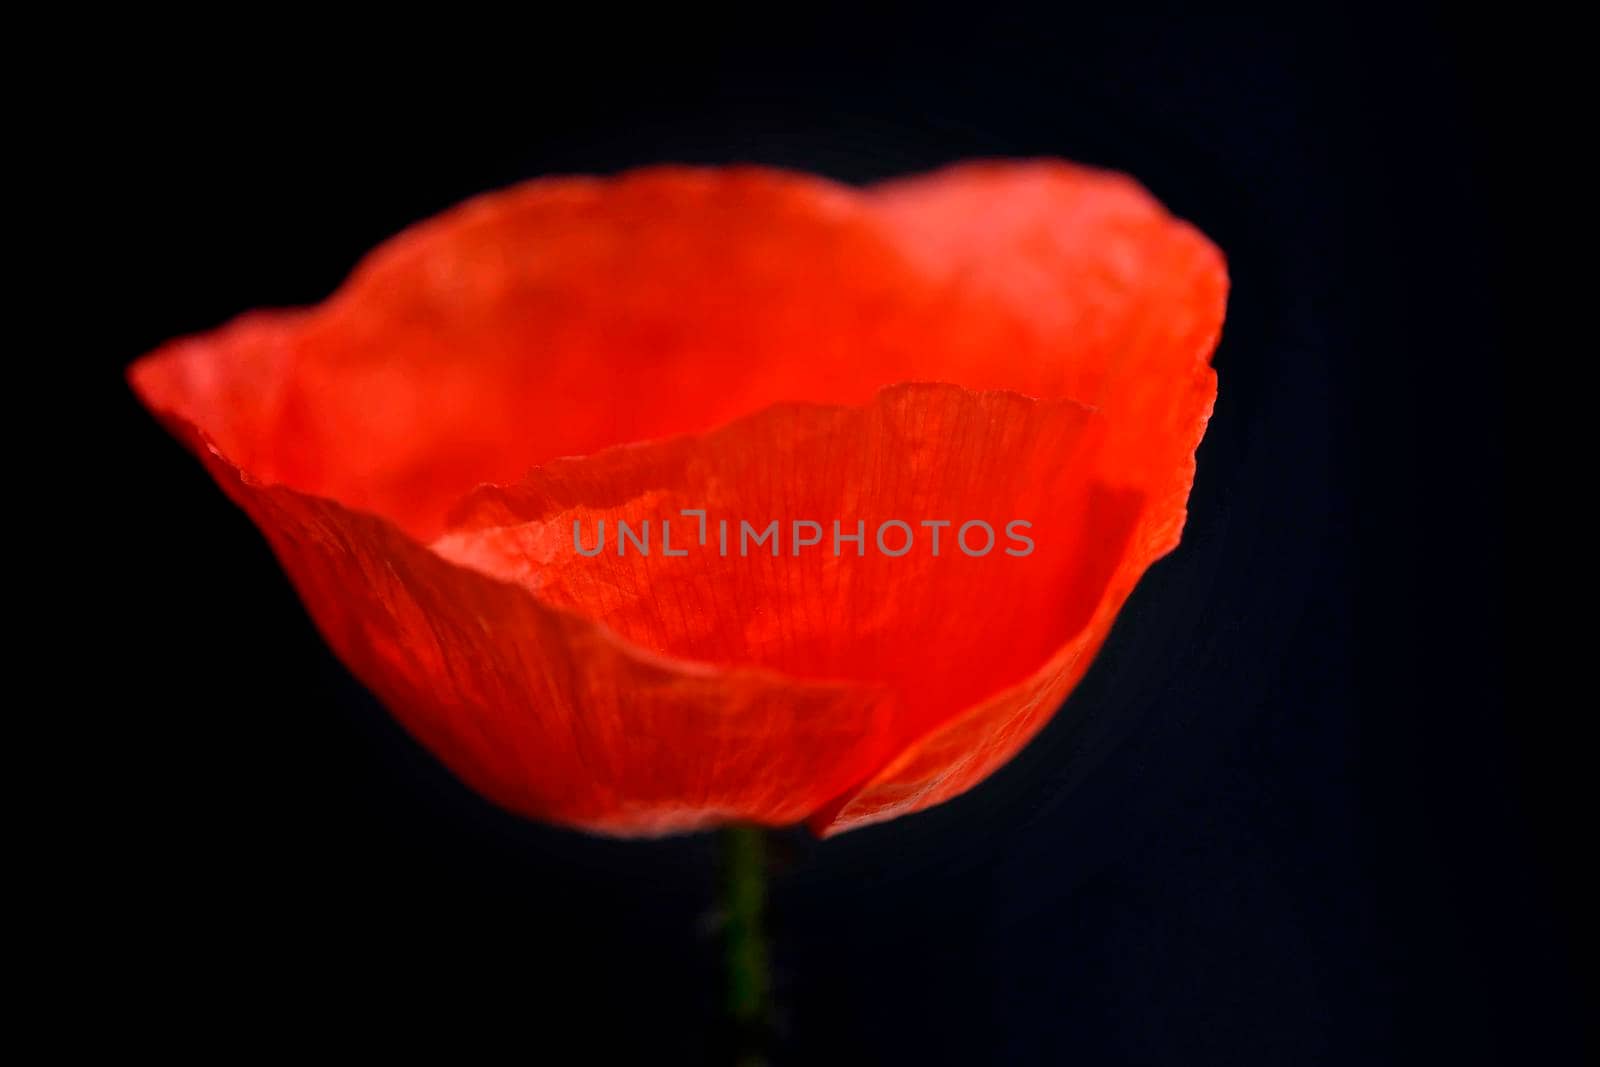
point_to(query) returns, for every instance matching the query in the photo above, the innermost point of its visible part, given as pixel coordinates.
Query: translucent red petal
(743, 324)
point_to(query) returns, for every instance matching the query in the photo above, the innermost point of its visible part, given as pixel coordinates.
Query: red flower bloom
(420, 449)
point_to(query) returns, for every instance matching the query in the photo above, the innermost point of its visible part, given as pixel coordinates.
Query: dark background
(1291, 817)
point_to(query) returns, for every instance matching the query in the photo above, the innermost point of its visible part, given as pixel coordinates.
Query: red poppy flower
(674, 349)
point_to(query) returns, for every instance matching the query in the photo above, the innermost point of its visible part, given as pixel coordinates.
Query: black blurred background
(1293, 815)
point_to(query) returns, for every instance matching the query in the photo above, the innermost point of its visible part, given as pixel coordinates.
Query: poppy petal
(565, 317)
(546, 713)
(871, 544)
(1159, 295)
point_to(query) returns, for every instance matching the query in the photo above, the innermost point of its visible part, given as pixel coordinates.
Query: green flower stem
(749, 974)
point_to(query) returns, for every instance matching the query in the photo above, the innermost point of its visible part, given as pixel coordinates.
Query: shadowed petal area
(384, 440)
